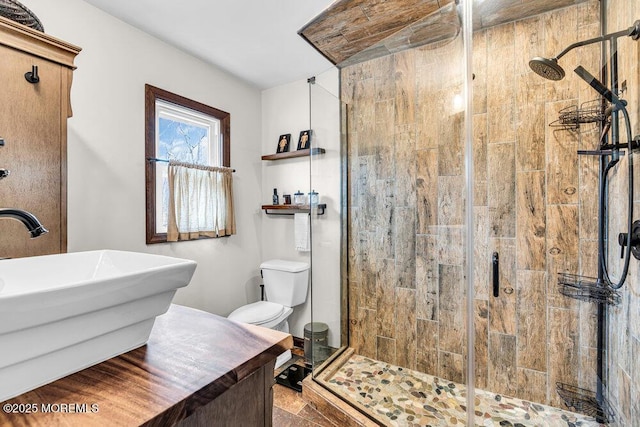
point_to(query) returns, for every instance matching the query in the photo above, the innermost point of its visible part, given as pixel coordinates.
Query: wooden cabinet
(247, 403)
(33, 125)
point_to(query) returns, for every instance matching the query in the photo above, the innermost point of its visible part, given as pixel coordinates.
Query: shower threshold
(395, 396)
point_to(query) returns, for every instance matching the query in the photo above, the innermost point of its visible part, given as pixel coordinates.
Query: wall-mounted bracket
(32, 76)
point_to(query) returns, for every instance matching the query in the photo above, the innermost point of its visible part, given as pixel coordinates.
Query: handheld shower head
(599, 87)
(547, 68)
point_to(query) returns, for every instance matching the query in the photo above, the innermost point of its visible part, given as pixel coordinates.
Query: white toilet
(285, 286)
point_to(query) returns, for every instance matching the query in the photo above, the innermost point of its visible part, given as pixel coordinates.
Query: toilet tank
(285, 282)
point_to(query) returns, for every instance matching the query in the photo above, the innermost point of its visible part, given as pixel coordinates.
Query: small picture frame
(304, 141)
(283, 143)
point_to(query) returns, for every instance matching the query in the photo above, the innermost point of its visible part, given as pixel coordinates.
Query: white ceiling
(256, 40)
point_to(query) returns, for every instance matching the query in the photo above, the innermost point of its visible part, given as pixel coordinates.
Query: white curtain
(200, 202)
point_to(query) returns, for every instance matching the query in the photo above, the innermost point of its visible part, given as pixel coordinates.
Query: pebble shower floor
(401, 397)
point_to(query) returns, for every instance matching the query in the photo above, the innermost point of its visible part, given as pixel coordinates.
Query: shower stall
(483, 212)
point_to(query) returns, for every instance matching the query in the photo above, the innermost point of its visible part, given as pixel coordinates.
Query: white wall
(106, 178)
(286, 109)
(106, 189)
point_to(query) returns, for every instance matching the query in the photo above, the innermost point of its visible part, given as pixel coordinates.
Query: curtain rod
(154, 159)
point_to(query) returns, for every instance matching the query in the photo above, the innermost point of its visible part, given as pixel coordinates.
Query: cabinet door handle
(496, 274)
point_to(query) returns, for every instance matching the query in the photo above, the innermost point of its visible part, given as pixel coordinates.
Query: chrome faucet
(28, 219)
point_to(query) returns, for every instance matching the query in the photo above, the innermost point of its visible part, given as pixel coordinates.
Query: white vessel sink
(62, 313)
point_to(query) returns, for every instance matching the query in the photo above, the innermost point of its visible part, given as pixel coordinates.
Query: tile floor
(289, 409)
(401, 397)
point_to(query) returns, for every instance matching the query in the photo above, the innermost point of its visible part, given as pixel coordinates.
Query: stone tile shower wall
(406, 210)
(623, 347)
(535, 202)
(536, 205)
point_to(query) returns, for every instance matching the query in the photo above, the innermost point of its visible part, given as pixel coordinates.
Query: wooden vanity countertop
(191, 358)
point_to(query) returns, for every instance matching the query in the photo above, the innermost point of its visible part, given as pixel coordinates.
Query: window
(178, 129)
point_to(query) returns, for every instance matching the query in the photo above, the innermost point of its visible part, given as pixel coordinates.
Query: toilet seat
(258, 313)
(268, 315)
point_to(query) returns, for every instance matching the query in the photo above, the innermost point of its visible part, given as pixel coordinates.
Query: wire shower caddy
(586, 288)
(570, 118)
(585, 402)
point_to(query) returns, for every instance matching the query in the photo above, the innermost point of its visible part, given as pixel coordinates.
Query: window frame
(153, 94)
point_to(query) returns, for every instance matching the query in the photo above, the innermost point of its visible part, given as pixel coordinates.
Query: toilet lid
(257, 312)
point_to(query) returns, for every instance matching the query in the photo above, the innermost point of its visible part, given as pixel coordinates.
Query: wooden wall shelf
(292, 209)
(292, 154)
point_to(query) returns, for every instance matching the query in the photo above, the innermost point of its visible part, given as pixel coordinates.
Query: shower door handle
(495, 260)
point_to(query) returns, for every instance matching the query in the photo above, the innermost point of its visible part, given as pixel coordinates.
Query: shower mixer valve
(623, 240)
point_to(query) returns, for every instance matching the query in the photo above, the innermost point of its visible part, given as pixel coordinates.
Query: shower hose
(603, 201)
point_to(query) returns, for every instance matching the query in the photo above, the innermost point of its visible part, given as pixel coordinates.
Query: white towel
(301, 232)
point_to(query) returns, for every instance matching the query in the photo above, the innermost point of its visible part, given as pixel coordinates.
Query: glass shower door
(404, 210)
(324, 336)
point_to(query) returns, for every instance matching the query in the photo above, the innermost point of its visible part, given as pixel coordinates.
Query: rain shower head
(547, 68)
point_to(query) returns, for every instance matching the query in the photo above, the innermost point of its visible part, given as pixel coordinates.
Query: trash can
(316, 347)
